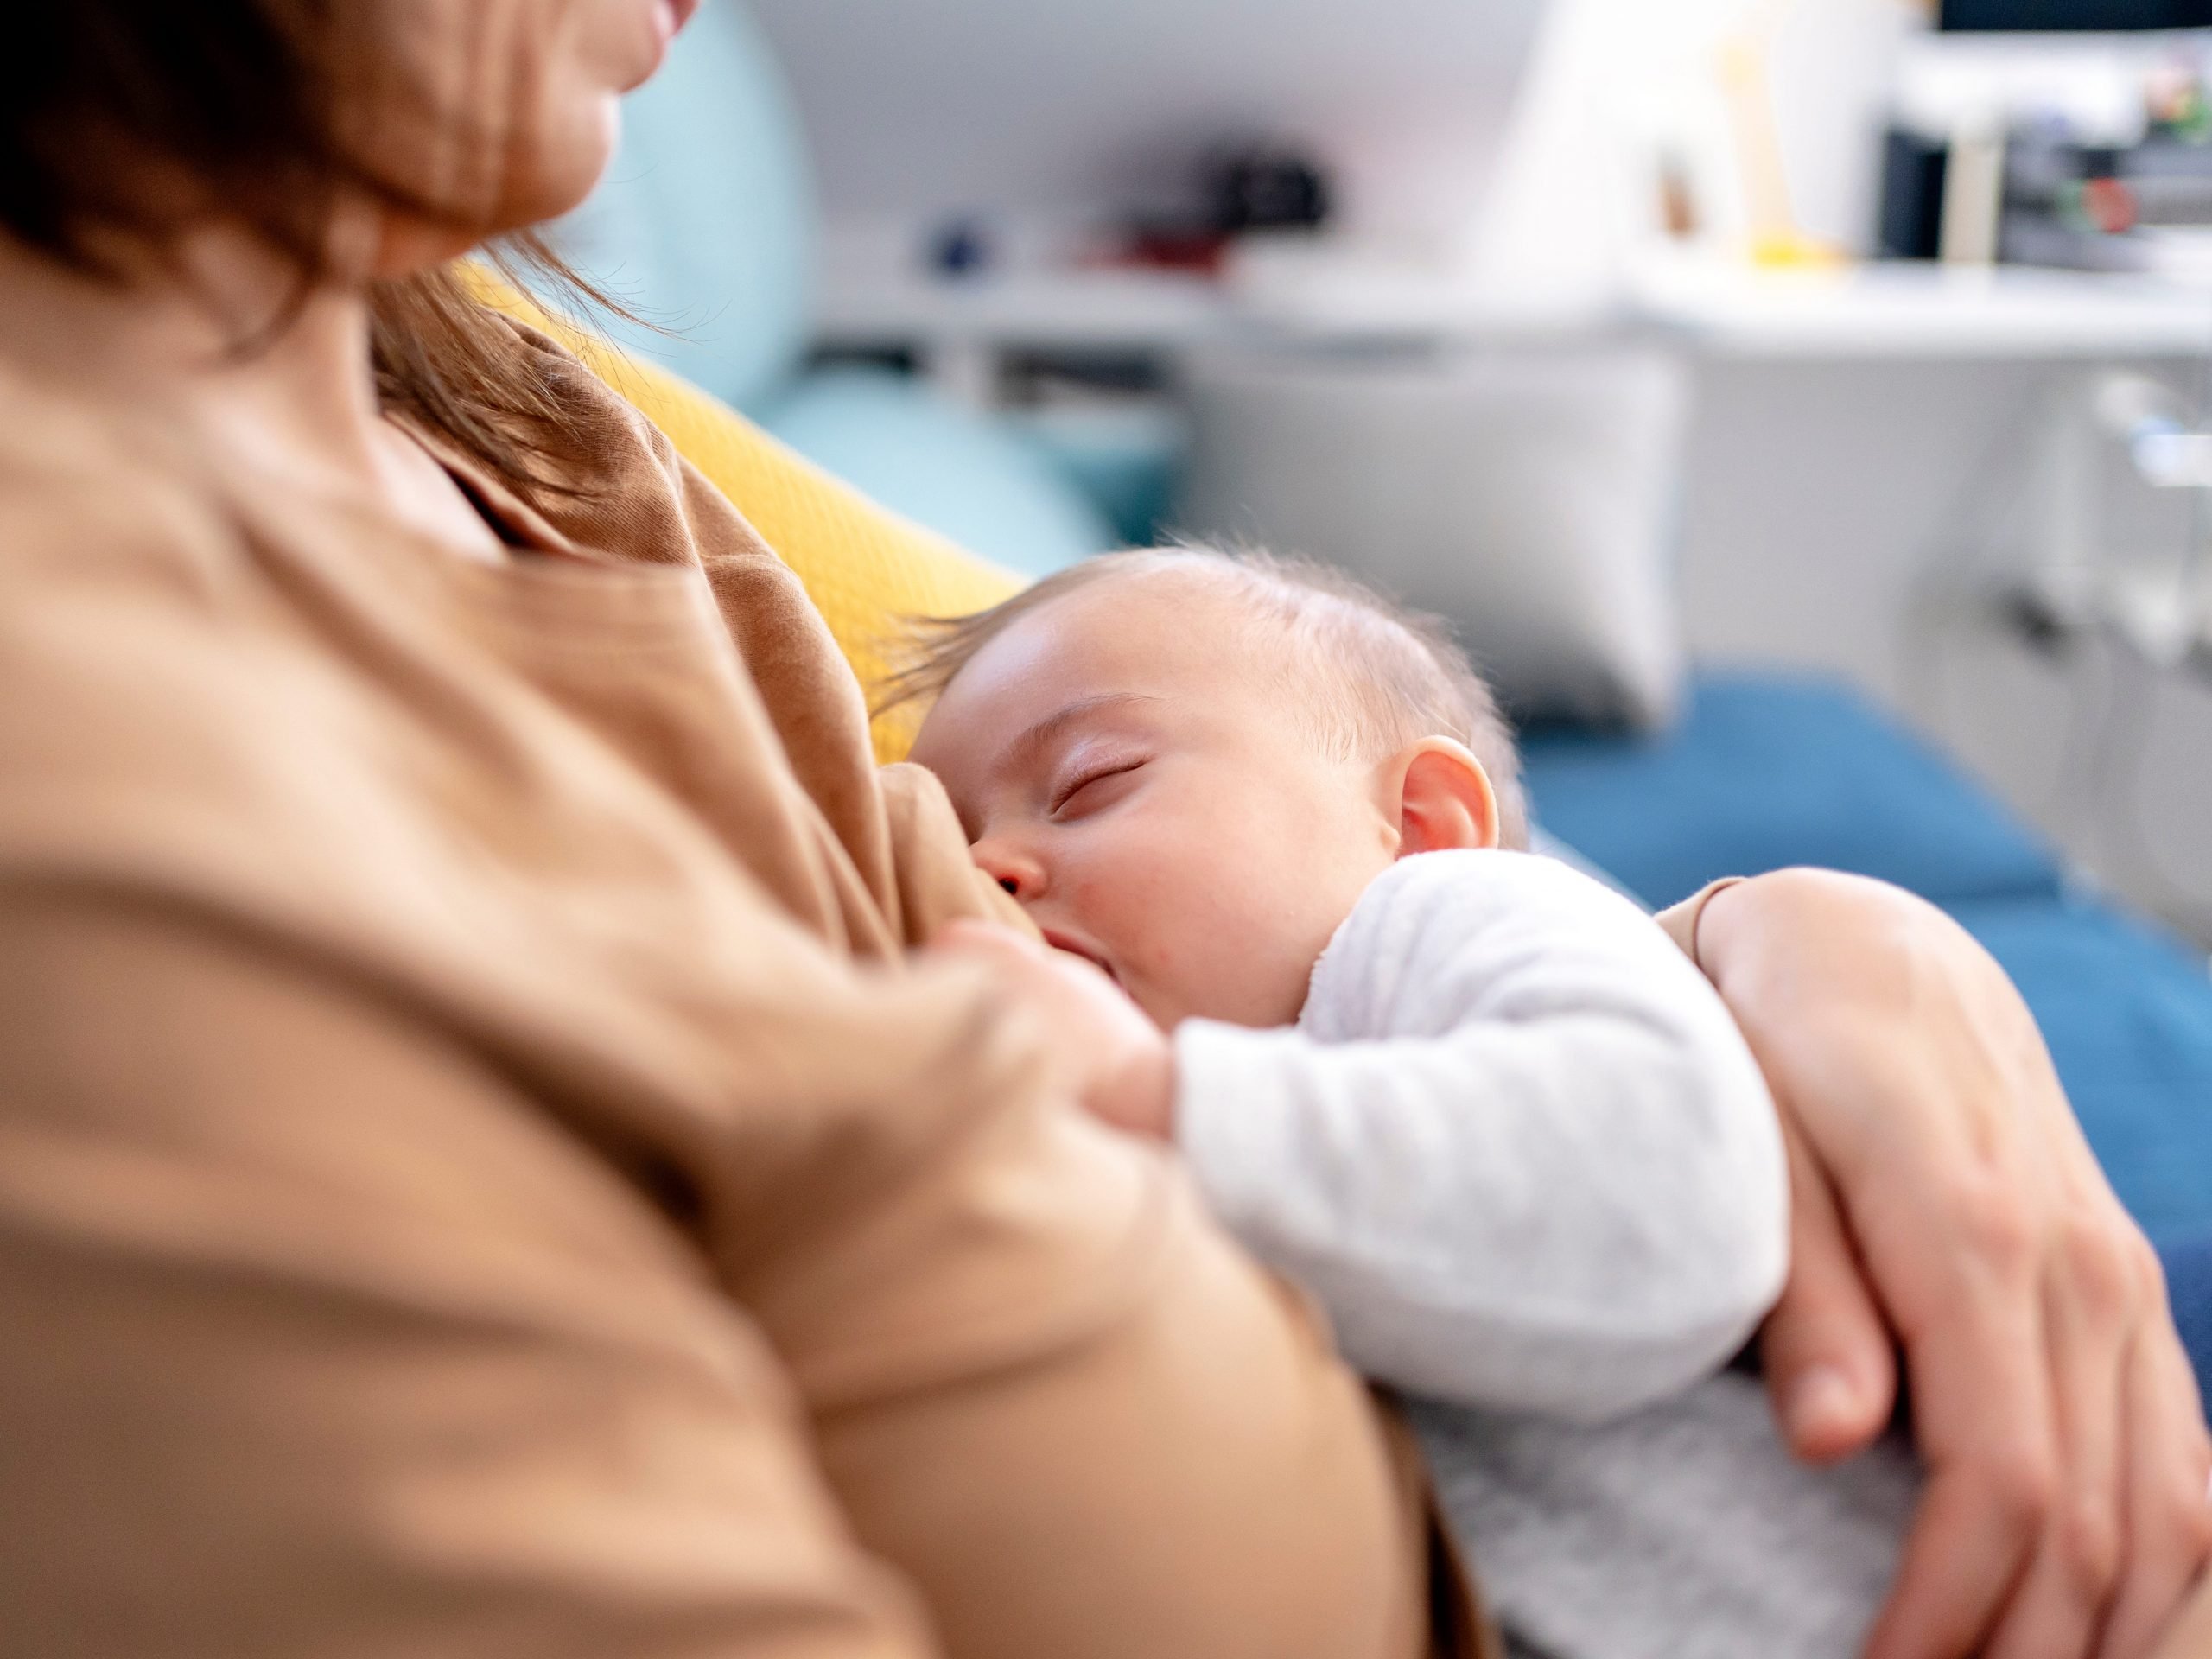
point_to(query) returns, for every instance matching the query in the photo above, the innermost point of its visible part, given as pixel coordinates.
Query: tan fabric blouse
(477, 1176)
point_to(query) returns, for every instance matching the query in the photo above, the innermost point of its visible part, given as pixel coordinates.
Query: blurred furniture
(2105, 582)
(704, 227)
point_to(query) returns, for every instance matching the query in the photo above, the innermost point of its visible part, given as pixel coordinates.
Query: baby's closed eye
(1092, 787)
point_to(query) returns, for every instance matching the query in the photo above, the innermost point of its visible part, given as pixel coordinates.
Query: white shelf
(1079, 309)
(1345, 302)
(1918, 312)
(1868, 312)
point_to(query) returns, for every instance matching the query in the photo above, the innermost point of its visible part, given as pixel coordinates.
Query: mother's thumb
(1830, 1365)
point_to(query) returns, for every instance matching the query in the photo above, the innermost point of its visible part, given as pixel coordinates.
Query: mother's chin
(523, 111)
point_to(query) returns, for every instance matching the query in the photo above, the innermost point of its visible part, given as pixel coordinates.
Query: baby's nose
(1017, 872)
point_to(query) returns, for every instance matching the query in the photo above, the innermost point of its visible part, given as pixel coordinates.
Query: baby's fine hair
(1374, 675)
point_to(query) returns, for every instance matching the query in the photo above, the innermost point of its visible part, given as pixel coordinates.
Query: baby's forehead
(1158, 641)
(1200, 636)
(1162, 613)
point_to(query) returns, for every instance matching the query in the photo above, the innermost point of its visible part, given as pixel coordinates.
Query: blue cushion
(704, 222)
(959, 473)
(1768, 770)
(2127, 1010)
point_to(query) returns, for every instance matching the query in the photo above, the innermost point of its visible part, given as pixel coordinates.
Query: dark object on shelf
(2082, 206)
(1913, 195)
(1247, 186)
(2078, 206)
(2037, 16)
(1264, 189)
(1196, 248)
(961, 248)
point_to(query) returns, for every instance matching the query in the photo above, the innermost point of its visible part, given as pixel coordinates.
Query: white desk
(1921, 312)
(1076, 309)
(961, 329)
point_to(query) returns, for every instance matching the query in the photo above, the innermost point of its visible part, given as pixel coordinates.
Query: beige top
(477, 1176)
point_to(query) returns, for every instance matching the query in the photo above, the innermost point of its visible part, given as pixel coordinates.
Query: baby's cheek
(1233, 965)
(1189, 925)
(1139, 924)
(1152, 935)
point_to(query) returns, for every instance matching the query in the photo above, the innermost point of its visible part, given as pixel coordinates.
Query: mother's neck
(300, 401)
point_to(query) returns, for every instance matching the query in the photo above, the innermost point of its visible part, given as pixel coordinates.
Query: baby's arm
(1515, 1145)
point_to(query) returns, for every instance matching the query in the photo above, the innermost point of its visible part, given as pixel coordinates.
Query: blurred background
(1796, 403)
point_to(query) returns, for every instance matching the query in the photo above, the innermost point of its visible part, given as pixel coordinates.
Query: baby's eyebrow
(1035, 739)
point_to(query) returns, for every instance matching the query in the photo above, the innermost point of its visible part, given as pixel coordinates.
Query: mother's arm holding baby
(1945, 1203)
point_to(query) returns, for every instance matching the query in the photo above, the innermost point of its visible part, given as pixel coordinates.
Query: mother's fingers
(2168, 1518)
(1830, 1362)
(2091, 1304)
(1961, 1561)
(1971, 1319)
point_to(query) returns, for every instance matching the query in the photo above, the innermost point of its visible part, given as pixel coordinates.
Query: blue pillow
(1768, 770)
(2127, 1010)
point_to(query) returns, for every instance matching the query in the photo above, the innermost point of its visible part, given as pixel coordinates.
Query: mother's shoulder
(623, 486)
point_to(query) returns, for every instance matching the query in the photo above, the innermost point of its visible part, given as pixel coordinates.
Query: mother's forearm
(1944, 1199)
(1804, 929)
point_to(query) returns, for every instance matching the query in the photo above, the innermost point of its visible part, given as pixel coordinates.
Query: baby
(1475, 1102)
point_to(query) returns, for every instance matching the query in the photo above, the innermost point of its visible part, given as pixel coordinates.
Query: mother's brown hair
(123, 122)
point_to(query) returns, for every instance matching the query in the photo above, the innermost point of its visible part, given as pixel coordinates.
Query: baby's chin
(1261, 988)
(1162, 1013)
(1169, 1012)
(1167, 1006)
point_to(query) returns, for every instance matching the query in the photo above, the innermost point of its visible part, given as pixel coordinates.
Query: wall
(919, 109)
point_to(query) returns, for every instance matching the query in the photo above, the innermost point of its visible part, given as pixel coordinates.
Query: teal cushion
(1128, 460)
(704, 222)
(961, 474)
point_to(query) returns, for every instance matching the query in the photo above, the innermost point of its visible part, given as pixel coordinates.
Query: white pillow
(1526, 495)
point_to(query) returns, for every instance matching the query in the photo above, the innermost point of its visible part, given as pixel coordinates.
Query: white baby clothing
(1515, 1143)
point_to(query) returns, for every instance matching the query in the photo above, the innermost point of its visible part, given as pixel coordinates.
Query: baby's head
(1187, 766)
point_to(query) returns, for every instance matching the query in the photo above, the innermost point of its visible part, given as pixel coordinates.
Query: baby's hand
(1118, 1064)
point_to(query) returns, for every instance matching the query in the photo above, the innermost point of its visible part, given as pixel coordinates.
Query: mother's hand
(1945, 1202)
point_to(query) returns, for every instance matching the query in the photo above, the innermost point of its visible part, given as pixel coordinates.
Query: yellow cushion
(865, 568)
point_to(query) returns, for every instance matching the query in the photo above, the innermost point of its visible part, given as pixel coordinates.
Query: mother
(476, 1170)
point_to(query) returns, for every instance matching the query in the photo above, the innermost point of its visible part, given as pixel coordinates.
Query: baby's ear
(1445, 800)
